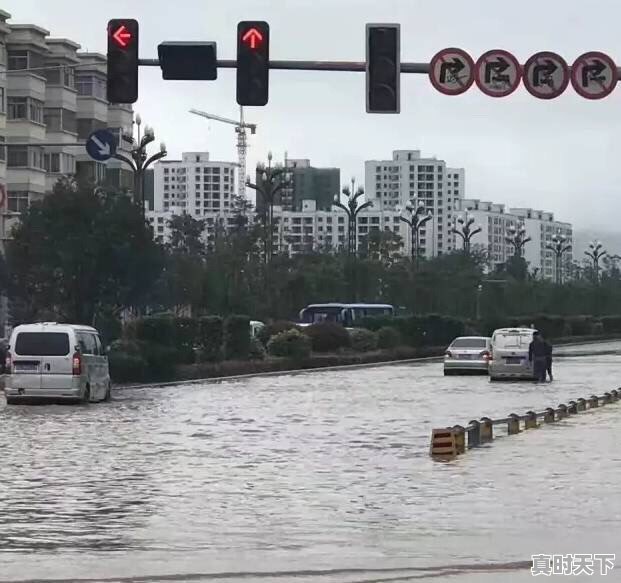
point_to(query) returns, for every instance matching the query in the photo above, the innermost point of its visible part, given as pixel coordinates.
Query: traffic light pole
(351, 66)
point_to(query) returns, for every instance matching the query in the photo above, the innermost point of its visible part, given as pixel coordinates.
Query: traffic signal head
(123, 60)
(253, 62)
(383, 68)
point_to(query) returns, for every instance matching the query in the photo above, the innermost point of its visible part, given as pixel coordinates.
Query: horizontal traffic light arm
(353, 66)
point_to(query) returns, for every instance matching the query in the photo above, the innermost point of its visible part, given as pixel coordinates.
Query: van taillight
(77, 364)
(8, 362)
(449, 354)
(486, 355)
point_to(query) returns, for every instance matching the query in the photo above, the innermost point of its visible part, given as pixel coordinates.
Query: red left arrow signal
(122, 36)
(253, 38)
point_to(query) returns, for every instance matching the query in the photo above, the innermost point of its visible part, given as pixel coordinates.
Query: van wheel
(86, 397)
(108, 396)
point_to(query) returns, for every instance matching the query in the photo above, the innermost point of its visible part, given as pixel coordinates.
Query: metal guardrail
(449, 442)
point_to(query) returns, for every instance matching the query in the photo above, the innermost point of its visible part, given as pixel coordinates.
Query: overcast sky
(560, 155)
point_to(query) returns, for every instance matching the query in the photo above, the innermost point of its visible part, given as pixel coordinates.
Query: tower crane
(242, 141)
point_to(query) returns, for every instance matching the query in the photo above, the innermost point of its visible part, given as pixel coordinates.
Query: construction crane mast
(242, 142)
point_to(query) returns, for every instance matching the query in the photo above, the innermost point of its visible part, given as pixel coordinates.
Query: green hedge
(237, 337)
(327, 336)
(274, 328)
(611, 324)
(290, 344)
(362, 340)
(211, 338)
(388, 337)
(158, 329)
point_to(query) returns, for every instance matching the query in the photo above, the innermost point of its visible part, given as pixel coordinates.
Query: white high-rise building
(194, 185)
(541, 227)
(495, 221)
(390, 184)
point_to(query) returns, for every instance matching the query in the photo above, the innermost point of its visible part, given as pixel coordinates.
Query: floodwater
(318, 477)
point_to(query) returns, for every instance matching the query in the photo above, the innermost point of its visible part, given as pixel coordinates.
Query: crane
(242, 141)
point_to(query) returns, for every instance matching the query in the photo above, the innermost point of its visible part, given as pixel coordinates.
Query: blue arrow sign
(101, 145)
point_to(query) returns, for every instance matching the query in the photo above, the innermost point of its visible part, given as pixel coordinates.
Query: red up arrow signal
(122, 36)
(253, 38)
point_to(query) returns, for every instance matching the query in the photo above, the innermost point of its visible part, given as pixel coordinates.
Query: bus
(345, 314)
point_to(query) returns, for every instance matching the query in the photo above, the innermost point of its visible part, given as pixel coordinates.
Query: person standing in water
(548, 348)
(537, 355)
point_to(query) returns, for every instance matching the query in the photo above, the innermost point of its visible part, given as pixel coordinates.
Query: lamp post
(140, 160)
(273, 180)
(559, 247)
(417, 219)
(516, 236)
(595, 252)
(352, 207)
(467, 229)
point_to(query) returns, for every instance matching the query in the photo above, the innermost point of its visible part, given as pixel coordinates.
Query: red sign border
(574, 72)
(511, 58)
(438, 86)
(531, 89)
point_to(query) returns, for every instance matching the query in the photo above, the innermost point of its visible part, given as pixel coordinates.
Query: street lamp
(516, 236)
(273, 180)
(417, 219)
(467, 229)
(140, 160)
(559, 247)
(595, 253)
(352, 208)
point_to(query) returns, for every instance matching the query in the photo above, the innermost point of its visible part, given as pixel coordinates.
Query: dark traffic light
(383, 68)
(253, 62)
(123, 60)
(189, 61)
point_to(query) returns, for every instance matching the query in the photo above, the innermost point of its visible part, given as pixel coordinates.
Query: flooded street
(318, 477)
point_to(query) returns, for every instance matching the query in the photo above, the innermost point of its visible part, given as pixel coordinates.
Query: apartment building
(541, 227)
(305, 182)
(51, 98)
(4, 32)
(495, 221)
(408, 176)
(294, 231)
(195, 185)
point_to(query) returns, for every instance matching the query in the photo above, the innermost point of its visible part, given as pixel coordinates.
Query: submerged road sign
(497, 73)
(546, 75)
(594, 75)
(451, 71)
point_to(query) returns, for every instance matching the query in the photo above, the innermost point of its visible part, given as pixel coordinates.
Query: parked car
(467, 354)
(56, 362)
(510, 354)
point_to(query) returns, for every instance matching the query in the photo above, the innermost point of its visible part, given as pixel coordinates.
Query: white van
(59, 362)
(509, 358)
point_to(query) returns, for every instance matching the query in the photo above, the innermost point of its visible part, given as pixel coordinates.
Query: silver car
(468, 354)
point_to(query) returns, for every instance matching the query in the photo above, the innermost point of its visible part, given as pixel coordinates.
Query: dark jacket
(548, 347)
(537, 350)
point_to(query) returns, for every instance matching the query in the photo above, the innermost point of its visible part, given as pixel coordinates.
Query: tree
(186, 235)
(77, 253)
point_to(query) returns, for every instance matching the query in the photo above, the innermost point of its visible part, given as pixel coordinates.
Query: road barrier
(449, 442)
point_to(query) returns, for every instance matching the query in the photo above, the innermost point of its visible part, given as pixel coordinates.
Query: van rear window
(42, 344)
(515, 341)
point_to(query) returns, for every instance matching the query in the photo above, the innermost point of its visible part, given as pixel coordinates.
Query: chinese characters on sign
(577, 564)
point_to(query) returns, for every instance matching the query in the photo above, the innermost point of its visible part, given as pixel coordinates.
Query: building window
(2, 149)
(52, 162)
(17, 157)
(18, 108)
(91, 86)
(18, 201)
(17, 60)
(2, 100)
